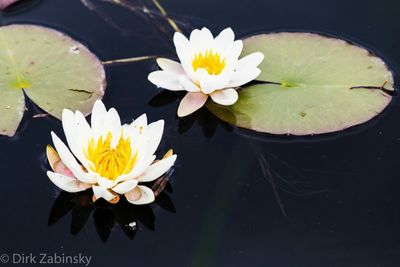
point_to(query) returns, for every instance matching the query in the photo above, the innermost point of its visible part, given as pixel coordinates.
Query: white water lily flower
(108, 157)
(208, 67)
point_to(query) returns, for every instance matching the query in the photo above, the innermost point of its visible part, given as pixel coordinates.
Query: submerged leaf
(309, 87)
(53, 70)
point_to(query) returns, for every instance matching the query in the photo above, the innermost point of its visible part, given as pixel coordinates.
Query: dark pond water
(238, 199)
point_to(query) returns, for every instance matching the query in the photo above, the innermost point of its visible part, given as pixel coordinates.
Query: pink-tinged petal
(190, 103)
(250, 61)
(170, 66)
(55, 162)
(100, 192)
(125, 187)
(225, 97)
(141, 195)
(157, 169)
(5, 3)
(166, 80)
(68, 159)
(245, 76)
(67, 183)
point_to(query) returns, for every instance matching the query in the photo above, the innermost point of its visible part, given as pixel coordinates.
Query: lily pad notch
(52, 69)
(309, 84)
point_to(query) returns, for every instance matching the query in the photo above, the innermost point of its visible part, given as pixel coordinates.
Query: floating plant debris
(53, 70)
(310, 84)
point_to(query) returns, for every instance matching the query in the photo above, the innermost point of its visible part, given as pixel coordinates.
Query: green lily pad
(53, 70)
(315, 93)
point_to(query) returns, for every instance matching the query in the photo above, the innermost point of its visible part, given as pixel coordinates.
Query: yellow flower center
(211, 62)
(111, 162)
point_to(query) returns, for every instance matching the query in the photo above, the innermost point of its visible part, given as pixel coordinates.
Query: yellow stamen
(211, 62)
(111, 162)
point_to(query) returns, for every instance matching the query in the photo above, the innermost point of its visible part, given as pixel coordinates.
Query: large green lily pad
(53, 70)
(317, 75)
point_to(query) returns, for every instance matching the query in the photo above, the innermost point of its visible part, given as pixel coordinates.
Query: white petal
(154, 133)
(112, 120)
(138, 169)
(225, 97)
(106, 183)
(141, 195)
(190, 103)
(195, 36)
(157, 169)
(66, 183)
(210, 83)
(112, 124)
(125, 187)
(233, 51)
(82, 123)
(100, 192)
(74, 134)
(98, 114)
(140, 123)
(187, 84)
(244, 76)
(200, 40)
(68, 159)
(170, 66)
(181, 40)
(166, 80)
(251, 61)
(182, 46)
(224, 39)
(206, 35)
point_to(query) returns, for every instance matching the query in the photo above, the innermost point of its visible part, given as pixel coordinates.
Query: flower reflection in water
(203, 117)
(105, 215)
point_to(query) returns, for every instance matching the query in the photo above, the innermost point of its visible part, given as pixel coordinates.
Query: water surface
(238, 199)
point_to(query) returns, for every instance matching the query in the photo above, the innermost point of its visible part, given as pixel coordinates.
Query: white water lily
(108, 157)
(208, 67)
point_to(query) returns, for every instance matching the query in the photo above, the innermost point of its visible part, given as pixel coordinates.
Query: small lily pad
(308, 86)
(53, 70)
